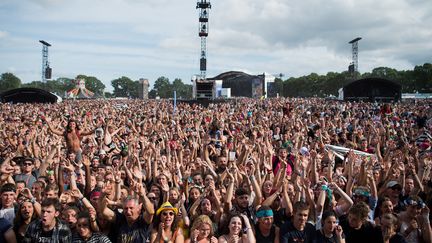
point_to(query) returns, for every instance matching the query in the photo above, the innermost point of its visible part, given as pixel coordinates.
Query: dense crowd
(243, 171)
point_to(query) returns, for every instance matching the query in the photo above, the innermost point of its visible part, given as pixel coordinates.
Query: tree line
(163, 88)
(417, 80)
(412, 81)
(123, 86)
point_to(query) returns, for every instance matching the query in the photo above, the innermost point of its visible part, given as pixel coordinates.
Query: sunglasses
(168, 213)
(152, 198)
(396, 188)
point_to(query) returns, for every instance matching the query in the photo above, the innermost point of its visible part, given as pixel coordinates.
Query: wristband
(426, 219)
(245, 230)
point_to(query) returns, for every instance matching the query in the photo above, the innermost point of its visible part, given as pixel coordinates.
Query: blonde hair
(393, 219)
(203, 219)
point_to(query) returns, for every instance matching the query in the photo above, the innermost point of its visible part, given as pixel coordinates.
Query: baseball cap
(393, 184)
(304, 151)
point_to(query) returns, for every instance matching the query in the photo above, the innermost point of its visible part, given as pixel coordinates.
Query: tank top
(173, 237)
(413, 236)
(261, 238)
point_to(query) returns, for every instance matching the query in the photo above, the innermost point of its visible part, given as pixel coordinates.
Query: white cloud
(3, 34)
(135, 38)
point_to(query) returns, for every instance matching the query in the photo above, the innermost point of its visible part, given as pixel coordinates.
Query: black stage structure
(244, 85)
(27, 95)
(372, 89)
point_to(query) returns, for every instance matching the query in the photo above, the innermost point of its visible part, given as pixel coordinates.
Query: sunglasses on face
(82, 225)
(168, 213)
(152, 198)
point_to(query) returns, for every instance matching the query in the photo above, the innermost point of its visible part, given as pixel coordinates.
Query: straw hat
(165, 207)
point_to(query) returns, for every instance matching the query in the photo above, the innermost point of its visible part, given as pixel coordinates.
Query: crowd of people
(242, 171)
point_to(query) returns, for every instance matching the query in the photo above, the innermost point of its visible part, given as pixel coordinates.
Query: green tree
(9, 81)
(152, 94)
(35, 84)
(123, 87)
(134, 88)
(423, 78)
(93, 84)
(108, 95)
(184, 91)
(163, 87)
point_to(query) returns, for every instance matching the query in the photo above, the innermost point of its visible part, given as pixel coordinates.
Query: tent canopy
(372, 89)
(28, 95)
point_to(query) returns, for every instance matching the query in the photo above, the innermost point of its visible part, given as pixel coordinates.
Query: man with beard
(222, 163)
(48, 228)
(132, 225)
(298, 230)
(241, 204)
(22, 220)
(28, 211)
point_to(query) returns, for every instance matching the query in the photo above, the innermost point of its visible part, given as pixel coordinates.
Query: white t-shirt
(8, 214)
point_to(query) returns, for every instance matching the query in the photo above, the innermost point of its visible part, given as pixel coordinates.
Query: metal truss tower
(204, 6)
(354, 44)
(46, 70)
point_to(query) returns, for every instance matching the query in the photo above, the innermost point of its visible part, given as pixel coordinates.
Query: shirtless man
(415, 225)
(73, 137)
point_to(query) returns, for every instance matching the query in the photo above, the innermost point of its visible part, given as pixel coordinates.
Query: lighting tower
(46, 70)
(204, 7)
(354, 63)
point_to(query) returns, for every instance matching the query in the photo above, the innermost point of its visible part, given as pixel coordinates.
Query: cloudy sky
(152, 38)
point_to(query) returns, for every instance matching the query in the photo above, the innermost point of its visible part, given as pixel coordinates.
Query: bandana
(264, 213)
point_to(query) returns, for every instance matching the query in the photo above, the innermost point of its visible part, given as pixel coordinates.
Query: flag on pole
(175, 102)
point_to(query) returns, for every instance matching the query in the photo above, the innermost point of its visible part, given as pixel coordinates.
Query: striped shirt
(94, 238)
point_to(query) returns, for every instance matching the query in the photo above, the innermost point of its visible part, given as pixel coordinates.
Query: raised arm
(344, 204)
(87, 169)
(87, 204)
(52, 129)
(230, 192)
(148, 205)
(47, 161)
(106, 212)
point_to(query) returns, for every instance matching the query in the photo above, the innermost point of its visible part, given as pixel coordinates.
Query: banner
(342, 151)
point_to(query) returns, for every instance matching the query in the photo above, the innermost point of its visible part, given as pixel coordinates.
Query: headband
(264, 213)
